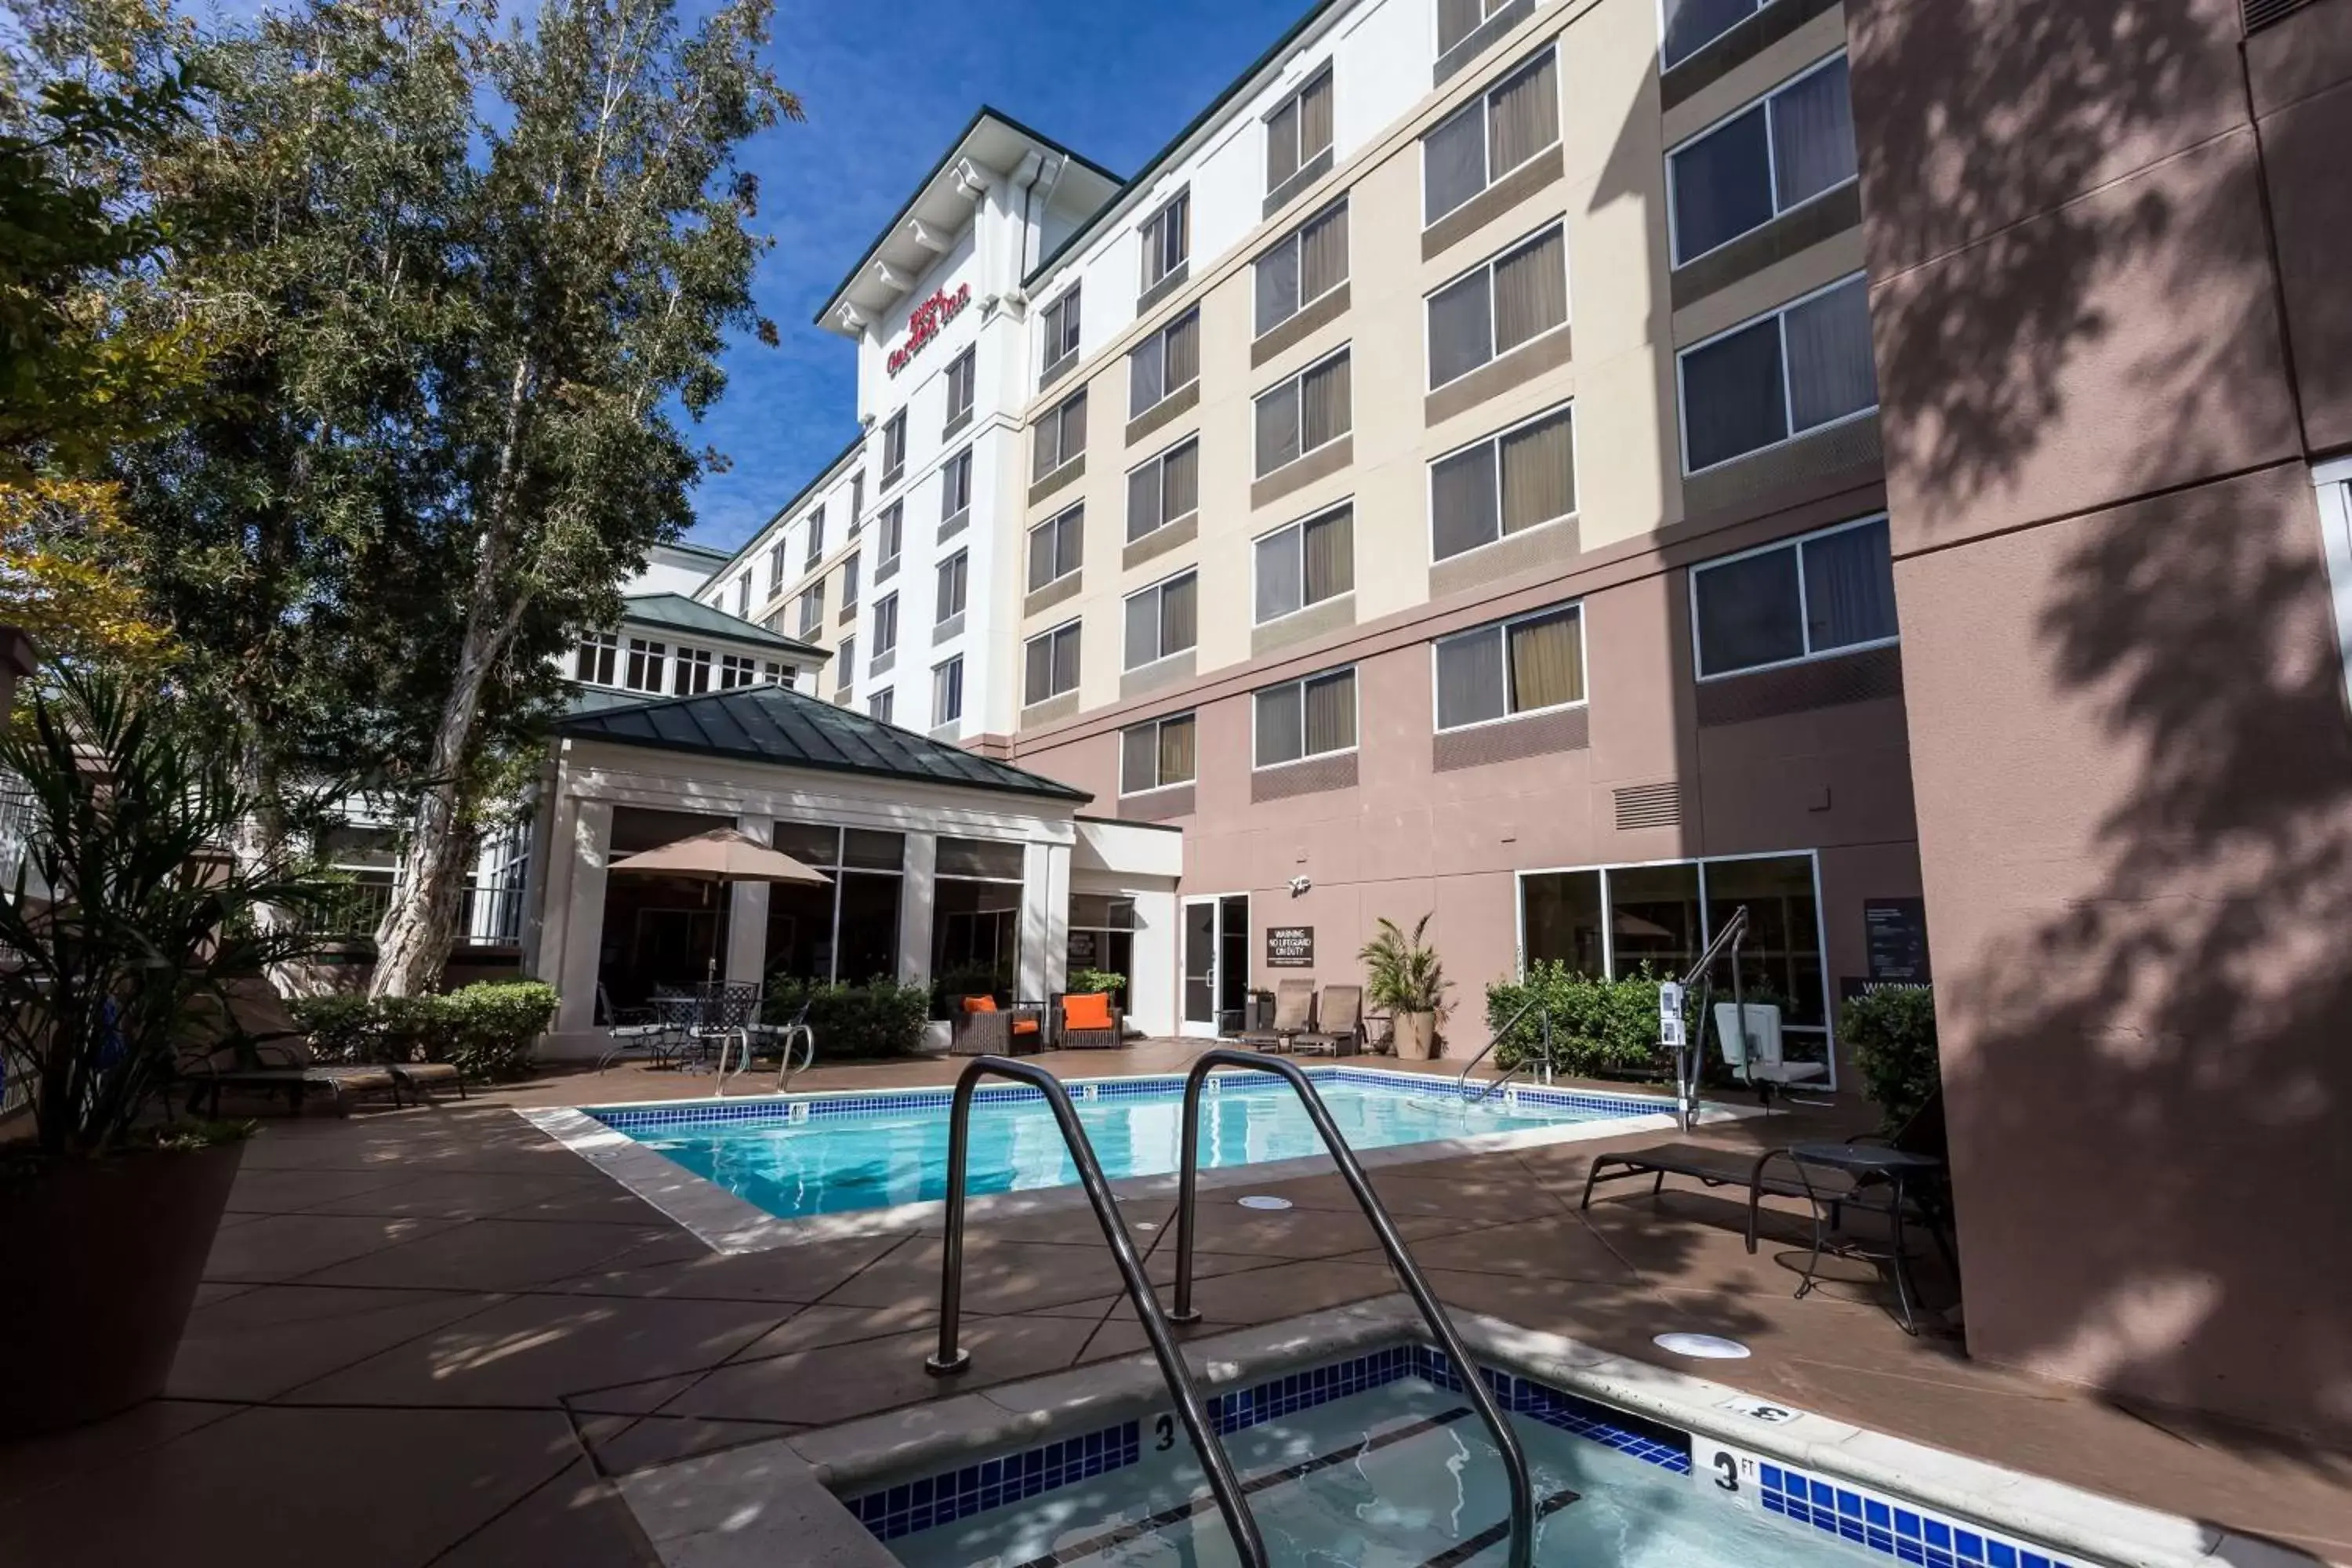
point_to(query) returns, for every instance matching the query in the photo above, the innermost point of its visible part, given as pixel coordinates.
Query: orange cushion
(1025, 1026)
(1087, 1010)
(980, 1004)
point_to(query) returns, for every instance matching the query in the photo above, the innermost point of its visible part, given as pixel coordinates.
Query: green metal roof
(678, 613)
(792, 729)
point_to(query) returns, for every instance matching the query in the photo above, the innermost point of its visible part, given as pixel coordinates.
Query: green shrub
(1598, 1027)
(487, 1028)
(879, 1019)
(1892, 1032)
(1084, 982)
(341, 1028)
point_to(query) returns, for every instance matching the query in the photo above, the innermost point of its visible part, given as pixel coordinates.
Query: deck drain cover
(1706, 1347)
(1264, 1201)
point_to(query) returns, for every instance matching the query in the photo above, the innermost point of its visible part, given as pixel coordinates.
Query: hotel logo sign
(925, 321)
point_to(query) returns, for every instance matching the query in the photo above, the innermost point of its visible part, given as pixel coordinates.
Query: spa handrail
(952, 1358)
(1690, 1057)
(1462, 1080)
(1441, 1327)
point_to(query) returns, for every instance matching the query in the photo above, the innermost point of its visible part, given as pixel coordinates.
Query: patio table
(1899, 1170)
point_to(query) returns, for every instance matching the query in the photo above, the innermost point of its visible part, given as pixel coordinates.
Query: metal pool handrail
(1514, 1461)
(1493, 1038)
(952, 1358)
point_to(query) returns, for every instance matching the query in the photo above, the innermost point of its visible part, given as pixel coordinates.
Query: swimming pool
(798, 1156)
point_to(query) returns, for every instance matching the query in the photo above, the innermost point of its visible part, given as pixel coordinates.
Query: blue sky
(886, 85)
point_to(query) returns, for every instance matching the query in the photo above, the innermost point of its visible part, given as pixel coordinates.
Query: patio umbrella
(723, 854)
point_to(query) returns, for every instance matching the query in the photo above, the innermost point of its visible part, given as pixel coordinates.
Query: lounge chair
(1339, 1023)
(270, 1066)
(1293, 1011)
(260, 1015)
(1089, 1023)
(980, 1028)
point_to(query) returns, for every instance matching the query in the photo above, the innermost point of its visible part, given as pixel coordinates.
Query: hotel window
(857, 501)
(894, 448)
(1167, 239)
(1303, 265)
(812, 608)
(1692, 25)
(1828, 593)
(893, 530)
(648, 662)
(1302, 719)
(1802, 367)
(955, 490)
(960, 388)
(976, 915)
(1310, 410)
(1299, 131)
(735, 669)
(1490, 137)
(1050, 664)
(1164, 490)
(954, 575)
(1057, 547)
(776, 567)
(1060, 436)
(1779, 152)
(885, 625)
(881, 705)
(844, 667)
(1512, 668)
(1519, 478)
(1457, 19)
(946, 691)
(849, 583)
(1306, 563)
(815, 538)
(1156, 756)
(1060, 332)
(1167, 362)
(594, 659)
(692, 672)
(1509, 300)
(1163, 619)
(845, 927)
(743, 597)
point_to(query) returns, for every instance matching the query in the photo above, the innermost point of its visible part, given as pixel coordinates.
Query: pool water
(852, 1153)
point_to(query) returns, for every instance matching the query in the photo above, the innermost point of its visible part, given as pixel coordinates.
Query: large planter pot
(104, 1257)
(1416, 1036)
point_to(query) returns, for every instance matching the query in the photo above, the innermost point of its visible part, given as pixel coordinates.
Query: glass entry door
(1201, 966)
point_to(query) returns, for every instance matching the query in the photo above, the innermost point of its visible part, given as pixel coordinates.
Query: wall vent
(1649, 805)
(2261, 13)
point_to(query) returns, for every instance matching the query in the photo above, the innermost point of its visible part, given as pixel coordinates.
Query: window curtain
(1747, 612)
(1325, 403)
(1278, 574)
(946, 691)
(1146, 375)
(1037, 675)
(1526, 117)
(1314, 119)
(1066, 659)
(1470, 678)
(1074, 428)
(1070, 542)
(1176, 760)
(1530, 292)
(1849, 588)
(893, 530)
(1277, 427)
(1045, 447)
(1277, 284)
(1692, 23)
(1547, 662)
(1722, 185)
(1456, 20)
(1143, 642)
(1330, 550)
(1282, 144)
(885, 625)
(1812, 134)
(1278, 725)
(1323, 253)
(1460, 330)
(1179, 614)
(1453, 162)
(1731, 396)
(950, 595)
(1464, 510)
(1331, 714)
(1180, 494)
(1139, 755)
(1538, 465)
(1143, 501)
(1830, 370)
(1184, 353)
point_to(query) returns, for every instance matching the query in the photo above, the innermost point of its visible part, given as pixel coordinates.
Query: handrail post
(952, 1357)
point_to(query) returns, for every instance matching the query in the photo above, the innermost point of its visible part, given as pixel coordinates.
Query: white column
(916, 897)
(1045, 919)
(587, 846)
(746, 915)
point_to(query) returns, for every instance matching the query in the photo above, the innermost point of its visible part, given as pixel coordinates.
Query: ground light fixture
(1264, 1201)
(1704, 1347)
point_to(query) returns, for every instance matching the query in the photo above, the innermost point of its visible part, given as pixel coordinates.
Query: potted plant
(125, 907)
(1403, 977)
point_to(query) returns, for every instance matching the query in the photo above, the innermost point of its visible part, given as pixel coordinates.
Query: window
(894, 448)
(955, 488)
(1057, 548)
(1692, 25)
(815, 538)
(1163, 619)
(844, 667)
(1306, 563)
(885, 625)
(845, 928)
(692, 672)
(1821, 595)
(1490, 137)
(1779, 152)
(960, 386)
(1167, 239)
(776, 567)
(1164, 490)
(1457, 19)
(1168, 361)
(1050, 662)
(1498, 305)
(849, 583)
(1521, 478)
(1299, 131)
(1311, 409)
(812, 608)
(1061, 331)
(953, 572)
(1307, 718)
(880, 705)
(735, 669)
(1806, 366)
(976, 916)
(946, 691)
(743, 597)
(594, 660)
(1303, 265)
(1156, 756)
(1522, 666)
(649, 661)
(1060, 436)
(894, 530)
(779, 674)
(857, 501)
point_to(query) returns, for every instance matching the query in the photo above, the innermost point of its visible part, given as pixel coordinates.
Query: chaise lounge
(1293, 1009)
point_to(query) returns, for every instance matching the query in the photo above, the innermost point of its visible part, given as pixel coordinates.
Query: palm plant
(1402, 973)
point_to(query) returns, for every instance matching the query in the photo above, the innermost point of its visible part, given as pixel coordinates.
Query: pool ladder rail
(1223, 1484)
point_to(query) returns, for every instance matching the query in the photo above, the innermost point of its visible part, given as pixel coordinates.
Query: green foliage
(1598, 1027)
(1402, 973)
(341, 1028)
(879, 1019)
(968, 980)
(487, 1028)
(1084, 982)
(126, 909)
(1892, 1033)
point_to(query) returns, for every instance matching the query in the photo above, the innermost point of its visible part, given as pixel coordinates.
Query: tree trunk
(412, 944)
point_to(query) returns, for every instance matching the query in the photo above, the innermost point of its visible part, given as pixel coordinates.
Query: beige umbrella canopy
(723, 854)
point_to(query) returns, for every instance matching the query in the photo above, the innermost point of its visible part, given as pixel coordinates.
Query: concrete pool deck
(435, 1336)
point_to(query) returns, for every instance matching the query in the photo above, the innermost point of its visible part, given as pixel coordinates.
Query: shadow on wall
(2146, 1029)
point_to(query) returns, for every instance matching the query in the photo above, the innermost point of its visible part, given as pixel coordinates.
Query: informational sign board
(1894, 936)
(1290, 947)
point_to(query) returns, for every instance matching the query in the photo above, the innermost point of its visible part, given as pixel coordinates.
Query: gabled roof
(792, 729)
(679, 613)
